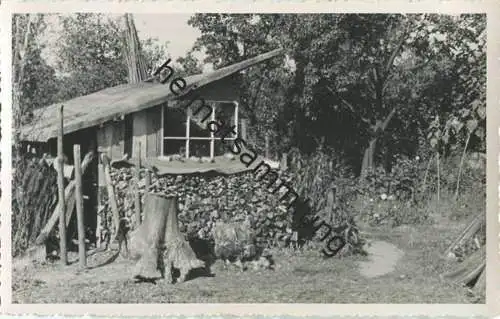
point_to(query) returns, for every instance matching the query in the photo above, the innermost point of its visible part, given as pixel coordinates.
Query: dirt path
(383, 257)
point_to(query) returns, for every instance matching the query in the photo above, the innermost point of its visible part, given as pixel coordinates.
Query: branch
(388, 119)
(346, 103)
(395, 52)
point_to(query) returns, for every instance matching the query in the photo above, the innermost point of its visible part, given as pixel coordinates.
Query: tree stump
(179, 253)
(147, 242)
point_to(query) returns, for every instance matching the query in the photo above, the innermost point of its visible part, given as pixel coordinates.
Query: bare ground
(299, 277)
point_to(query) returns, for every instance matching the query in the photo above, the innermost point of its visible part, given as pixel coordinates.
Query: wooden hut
(147, 120)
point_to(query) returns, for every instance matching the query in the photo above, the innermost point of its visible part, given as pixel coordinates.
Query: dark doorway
(87, 139)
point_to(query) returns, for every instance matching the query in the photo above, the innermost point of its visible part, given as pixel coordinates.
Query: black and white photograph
(206, 158)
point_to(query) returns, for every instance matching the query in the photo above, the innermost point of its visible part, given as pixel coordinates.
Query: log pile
(204, 200)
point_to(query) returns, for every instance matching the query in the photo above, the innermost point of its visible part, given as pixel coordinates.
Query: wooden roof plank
(105, 105)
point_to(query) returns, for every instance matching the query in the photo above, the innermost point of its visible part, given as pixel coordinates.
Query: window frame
(187, 138)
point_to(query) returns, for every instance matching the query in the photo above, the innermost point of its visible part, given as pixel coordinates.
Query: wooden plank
(60, 186)
(103, 106)
(212, 141)
(110, 139)
(102, 143)
(153, 148)
(139, 136)
(82, 258)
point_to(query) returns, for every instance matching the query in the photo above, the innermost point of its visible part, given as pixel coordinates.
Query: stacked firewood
(204, 200)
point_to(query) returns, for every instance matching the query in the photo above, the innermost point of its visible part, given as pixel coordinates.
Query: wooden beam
(188, 130)
(60, 186)
(212, 139)
(236, 107)
(82, 258)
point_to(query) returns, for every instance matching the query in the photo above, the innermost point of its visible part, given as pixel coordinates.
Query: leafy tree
(34, 81)
(189, 65)
(384, 76)
(91, 54)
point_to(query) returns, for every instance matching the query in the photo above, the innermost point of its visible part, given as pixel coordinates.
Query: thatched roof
(108, 104)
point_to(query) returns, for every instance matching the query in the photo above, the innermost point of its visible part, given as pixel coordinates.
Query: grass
(299, 277)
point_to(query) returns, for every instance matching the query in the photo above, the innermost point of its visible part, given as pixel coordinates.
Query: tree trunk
(368, 158)
(147, 242)
(369, 154)
(22, 42)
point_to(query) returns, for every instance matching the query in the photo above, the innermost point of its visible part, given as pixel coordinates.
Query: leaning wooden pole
(60, 185)
(70, 189)
(82, 258)
(111, 196)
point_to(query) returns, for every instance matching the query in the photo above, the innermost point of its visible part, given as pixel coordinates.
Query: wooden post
(79, 207)
(98, 232)
(212, 140)
(137, 195)
(60, 185)
(188, 129)
(147, 180)
(236, 109)
(68, 193)
(111, 196)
